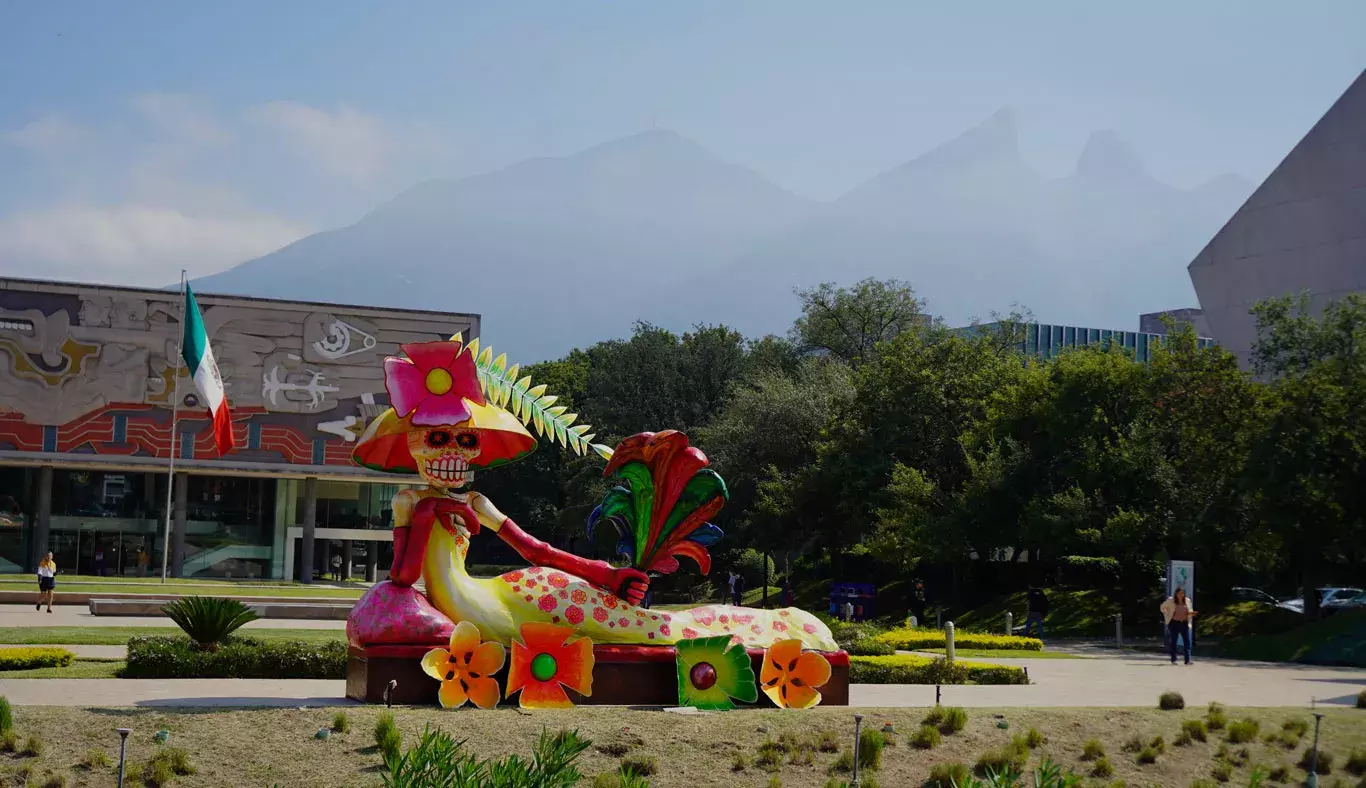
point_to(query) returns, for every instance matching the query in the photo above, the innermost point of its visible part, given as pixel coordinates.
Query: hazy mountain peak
(1107, 156)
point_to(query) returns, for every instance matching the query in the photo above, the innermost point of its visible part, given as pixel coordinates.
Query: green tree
(848, 323)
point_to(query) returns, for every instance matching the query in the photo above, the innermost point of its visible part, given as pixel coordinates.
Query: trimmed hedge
(34, 657)
(158, 657)
(909, 669)
(917, 639)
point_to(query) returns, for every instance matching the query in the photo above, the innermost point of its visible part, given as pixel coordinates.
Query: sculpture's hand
(430, 510)
(630, 584)
(488, 514)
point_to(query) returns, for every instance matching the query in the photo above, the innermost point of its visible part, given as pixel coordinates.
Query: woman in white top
(47, 582)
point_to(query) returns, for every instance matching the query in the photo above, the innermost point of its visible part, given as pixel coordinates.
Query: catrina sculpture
(448, 421)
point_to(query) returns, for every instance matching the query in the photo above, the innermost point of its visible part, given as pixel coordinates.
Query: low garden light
(123, 751)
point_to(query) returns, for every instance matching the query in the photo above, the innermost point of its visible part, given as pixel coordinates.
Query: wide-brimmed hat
(437, 385)
(502, 439)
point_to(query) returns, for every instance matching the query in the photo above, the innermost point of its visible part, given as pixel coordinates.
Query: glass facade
(1047, 341)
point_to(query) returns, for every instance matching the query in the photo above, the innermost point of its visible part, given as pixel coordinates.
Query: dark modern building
(1303, 229)
(87, 379)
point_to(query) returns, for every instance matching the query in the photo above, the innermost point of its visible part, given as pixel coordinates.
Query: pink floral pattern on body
(391, 615)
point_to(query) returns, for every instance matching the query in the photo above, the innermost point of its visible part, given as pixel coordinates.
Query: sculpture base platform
(622, 676)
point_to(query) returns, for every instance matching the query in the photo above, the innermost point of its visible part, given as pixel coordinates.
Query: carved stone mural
(302, 381)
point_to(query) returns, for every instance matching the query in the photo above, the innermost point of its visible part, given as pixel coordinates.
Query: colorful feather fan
(530, 403)
(662, 508)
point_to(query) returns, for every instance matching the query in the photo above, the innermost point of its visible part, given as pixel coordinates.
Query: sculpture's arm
(629, 584)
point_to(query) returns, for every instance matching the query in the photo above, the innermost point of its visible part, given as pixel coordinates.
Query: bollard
(1313, 780)
(948, 642)
(123, 751)
(937, 696)
(1010, 623)
(1119, 630)
(858, 734)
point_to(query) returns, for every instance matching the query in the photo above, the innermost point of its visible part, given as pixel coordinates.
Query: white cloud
(345, 143)
(182, 118)
(134, 244)
(46, 135)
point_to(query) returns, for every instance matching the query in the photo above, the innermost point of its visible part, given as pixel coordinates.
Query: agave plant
(209, 620)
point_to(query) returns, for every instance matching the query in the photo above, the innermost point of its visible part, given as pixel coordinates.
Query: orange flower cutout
(544, 663)
(790, 676)
(466, 669)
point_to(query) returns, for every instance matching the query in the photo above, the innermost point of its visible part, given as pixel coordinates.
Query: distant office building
(1156, 322)
(1046, 341)
(1303, 229)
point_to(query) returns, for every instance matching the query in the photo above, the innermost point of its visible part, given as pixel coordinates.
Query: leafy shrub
(1171, 701)
(769, 756)
(1243, 731)
(911, 669)
(1356, 762)
(387, 738)
(340, 722)
(618, 780)
(1361, 699)
(1147, 755)
(827, 741)
(96, 759)
(33, 747)
(1285, 738)
(870, 744)
(1013, 756)
(9, 741)
(639, 765)
(1195, 729)
(209, 620)
(1298, 725)
(844, 763)
(869, 647)
(739, 762)
(927, 738)
(1222, 771)
(1102, 768)
(948, 775)
(1134, 744)
(165, 766)
(920, 639)
(29, 657)
(438, 761)
(6, 716)
(1092, 750)
(158, 657)
(1325, 763)
(1159, 744)
(1216, 719)
(948, 719)
(1279, 773)
(1034, 739)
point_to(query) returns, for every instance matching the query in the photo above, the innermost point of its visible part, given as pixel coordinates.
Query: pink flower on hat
(432, 384)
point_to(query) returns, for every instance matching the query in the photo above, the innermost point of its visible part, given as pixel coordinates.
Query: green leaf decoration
(530, 404)
(731, 674)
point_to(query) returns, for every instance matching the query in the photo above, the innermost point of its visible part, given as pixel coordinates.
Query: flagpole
(175, 417)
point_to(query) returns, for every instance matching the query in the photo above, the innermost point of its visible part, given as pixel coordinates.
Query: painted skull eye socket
(467, 440)
(438, 438)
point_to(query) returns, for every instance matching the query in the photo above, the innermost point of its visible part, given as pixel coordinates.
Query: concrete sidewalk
(1129, 680)
(79, 616)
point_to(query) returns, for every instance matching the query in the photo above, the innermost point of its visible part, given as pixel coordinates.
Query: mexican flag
(199, 358)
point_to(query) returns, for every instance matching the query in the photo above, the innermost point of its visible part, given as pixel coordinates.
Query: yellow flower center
(439, 381)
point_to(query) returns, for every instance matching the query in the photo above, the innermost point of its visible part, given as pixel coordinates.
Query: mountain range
(557, 253)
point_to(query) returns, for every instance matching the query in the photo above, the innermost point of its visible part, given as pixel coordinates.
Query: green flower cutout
(711, 671)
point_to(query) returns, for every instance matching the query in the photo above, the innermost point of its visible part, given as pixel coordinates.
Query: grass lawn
(80, 669)
(118, 636)
(996, 653)
(690, 750)
(90, 584)
(1336, 640)
(1071, 613)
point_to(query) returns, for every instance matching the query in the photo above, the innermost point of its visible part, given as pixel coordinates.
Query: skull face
(443, 455)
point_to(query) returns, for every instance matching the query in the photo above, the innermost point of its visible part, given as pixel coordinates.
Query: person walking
(918, 602)
(738, 592)
(1037, 610)
(336, 567)
(99, 561)
(47, 582)
(1177, 611)
(143, 560)
(733, 577)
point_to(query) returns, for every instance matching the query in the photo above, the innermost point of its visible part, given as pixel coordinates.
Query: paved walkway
(1116, 681)
(79, 616)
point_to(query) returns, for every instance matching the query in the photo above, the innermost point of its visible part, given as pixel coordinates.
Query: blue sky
(139, 138)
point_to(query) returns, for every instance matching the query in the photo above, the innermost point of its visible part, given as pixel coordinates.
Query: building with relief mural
(87, 379)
